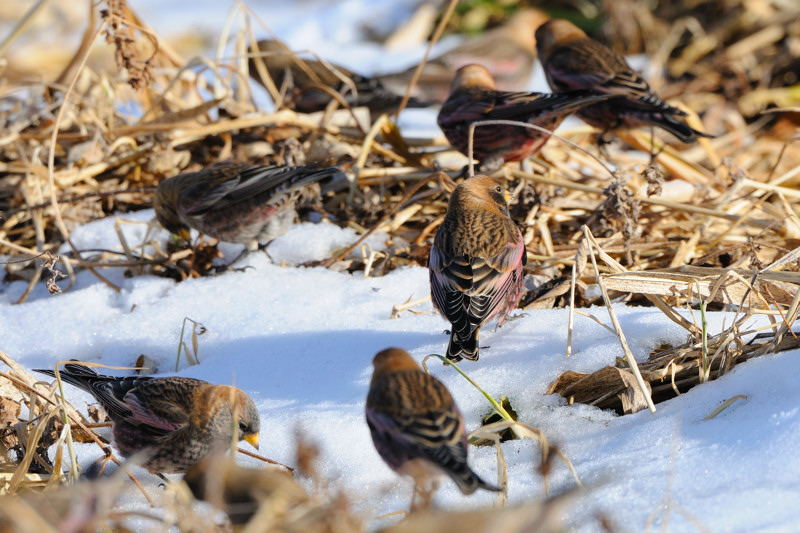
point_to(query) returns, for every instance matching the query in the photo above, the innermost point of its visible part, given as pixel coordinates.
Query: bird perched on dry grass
(176, 421)
(475, 263)
(574, 61)
(311, 84)
(236, 202)
(415, 424)
(473, 98)
(509, 50)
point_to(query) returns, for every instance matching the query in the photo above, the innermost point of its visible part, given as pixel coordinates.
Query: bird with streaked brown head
(174, 421)
(415, 424)
(475, 263)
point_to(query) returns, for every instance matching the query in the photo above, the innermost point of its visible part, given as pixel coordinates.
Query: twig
(327, 263)
(436, 36)
(265, 459)
(623, 342)
(51, 161)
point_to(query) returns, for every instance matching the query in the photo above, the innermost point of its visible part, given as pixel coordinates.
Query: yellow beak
(252, 439)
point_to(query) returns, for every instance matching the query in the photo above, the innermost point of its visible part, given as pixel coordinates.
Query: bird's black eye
(498, 189)
(243, 427)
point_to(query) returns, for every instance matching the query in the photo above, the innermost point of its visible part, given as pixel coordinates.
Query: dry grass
(709, 226)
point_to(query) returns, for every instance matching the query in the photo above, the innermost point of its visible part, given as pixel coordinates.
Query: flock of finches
(475, 264)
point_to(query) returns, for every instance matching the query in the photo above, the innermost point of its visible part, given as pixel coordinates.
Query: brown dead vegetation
(708, 226)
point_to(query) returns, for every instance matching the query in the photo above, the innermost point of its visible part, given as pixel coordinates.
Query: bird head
(229, 400)
(555, 32)
(392, 360)
(165, 203)
(473, 75)
(482, 192)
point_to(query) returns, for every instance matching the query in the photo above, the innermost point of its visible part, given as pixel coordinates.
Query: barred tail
(679, 129)
(459, 348)
(468, 481)
(73, 374)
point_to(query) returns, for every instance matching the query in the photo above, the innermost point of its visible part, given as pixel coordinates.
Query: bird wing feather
(469, 105)
(476, 286)
(589, 65)
(435, 435)
(232, 188)
(163, 404)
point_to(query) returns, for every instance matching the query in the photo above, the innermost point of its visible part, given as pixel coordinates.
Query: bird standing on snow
(574, 61)
(473, 98)
(176, 421)
(475, 263)
(235, 202)
(415, 424)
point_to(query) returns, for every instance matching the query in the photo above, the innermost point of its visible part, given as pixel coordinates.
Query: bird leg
(491, 163)
(263, 248)
(654, 154)
(108, 456)
(248, 249)
(230, 266)
(603, 141)
(425, 487)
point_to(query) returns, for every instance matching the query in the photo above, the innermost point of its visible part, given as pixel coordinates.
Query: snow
(300, 342)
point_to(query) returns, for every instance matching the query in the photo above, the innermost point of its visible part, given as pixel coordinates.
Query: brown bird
(574, 61)
(473, 98)
(415, 424)
(236, 202)
(311, 84)
(176, 421)
(508, 50)
(475, 263)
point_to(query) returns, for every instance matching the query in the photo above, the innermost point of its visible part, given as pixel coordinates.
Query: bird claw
(222, 269)
(509, 318)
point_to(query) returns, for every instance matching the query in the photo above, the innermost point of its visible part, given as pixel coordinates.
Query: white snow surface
(300, 342)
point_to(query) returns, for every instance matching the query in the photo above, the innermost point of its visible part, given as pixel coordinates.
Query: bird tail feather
(73, 374)
(459, 348)
(468, 482)
(679, 129)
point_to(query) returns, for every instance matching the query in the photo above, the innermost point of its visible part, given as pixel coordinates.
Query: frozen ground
(300, 341)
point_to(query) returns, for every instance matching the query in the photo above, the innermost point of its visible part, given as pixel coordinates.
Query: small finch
(176, 421)
(574, 61)
(235, 202)
(310, 83)
(473, 98)
(415, 424)
(475, 263)
(508, 50)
